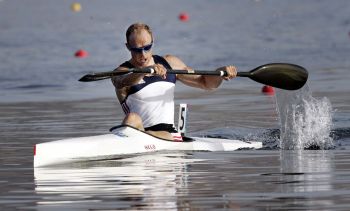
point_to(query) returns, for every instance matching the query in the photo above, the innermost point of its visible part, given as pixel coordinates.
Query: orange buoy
(81, 53)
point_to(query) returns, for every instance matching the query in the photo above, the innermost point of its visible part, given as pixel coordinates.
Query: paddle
(279, 75)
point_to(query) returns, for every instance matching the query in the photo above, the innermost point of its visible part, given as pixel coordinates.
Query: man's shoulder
(166, 57)
(169, 57)
(173, 60)
(126, 65)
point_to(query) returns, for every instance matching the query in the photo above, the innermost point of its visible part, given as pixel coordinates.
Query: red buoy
(269, 90)
(81, 53)
(184, 17)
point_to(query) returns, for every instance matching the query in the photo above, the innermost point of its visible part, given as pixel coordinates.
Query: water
(42, 101)
(180, 181)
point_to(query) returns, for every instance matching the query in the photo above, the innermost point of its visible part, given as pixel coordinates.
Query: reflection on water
(149, 181)
(304, 180)
(177, 181)
(307, 166)
(306, 174)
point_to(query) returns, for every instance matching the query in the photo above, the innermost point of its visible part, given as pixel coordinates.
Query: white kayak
(122, 141)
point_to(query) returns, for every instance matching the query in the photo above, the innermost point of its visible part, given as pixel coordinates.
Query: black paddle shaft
(280, 75)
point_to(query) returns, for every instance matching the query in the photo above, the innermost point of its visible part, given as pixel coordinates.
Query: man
(148, 99)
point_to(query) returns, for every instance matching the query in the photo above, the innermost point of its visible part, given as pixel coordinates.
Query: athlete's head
(139, 41)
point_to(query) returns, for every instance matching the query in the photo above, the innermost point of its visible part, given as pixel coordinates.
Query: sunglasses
(145, 48)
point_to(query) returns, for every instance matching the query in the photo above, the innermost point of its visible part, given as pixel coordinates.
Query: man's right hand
(159, 70)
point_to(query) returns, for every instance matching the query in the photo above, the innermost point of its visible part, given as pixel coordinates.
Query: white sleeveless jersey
(153, 100)
(153, 97)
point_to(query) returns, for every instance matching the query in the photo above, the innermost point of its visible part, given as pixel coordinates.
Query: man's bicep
(175, 62)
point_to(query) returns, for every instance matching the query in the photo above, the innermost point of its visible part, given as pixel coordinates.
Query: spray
(305, 121)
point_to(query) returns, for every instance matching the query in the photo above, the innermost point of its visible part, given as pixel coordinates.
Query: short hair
(137, 27)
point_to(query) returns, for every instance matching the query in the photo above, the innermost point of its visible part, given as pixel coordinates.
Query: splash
(305, 121)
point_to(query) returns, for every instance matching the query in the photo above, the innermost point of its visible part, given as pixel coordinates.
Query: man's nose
(143, 53)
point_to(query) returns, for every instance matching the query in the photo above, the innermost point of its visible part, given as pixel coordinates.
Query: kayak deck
(125, 140)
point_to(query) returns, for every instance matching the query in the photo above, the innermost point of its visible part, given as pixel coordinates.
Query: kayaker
(148, 99)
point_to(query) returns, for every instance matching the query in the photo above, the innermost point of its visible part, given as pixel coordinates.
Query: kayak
(124, 141)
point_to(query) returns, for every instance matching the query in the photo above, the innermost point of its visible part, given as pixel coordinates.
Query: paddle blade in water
(280, 75)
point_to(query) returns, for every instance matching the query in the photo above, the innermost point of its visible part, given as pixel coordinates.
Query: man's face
(139, 40)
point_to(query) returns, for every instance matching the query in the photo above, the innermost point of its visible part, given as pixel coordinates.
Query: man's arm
(199, 81)
(125, 80)
(122, 83)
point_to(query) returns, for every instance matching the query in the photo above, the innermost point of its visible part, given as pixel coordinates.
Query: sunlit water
(41, 100)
